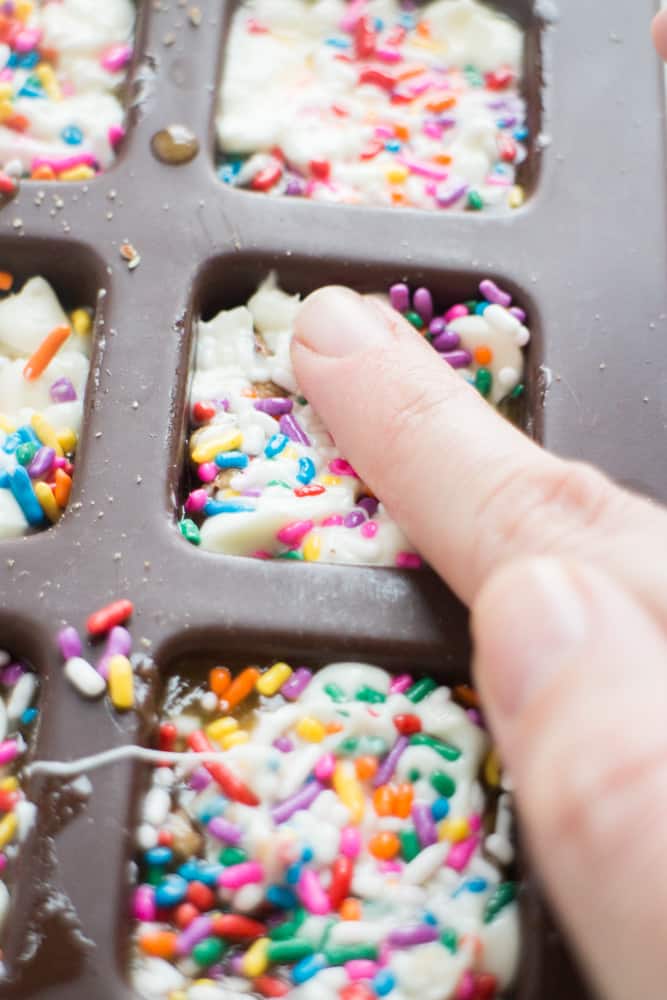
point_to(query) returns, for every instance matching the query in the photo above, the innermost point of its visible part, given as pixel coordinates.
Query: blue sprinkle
(521, 134)
(276, 444)
(481, 308)
(21, 487)
(379, 24)
(29, 716)
(200, 871)
(293, 873)
(476, 885)
(393, 146)
(72, 135)
(30, 90)
(231, 460)
(159, 856)
(29, 61)
(171, 891)
(384, 982)
(406, 20)
(4, 480)
(306, 471)
(213, 507)
(307, 855)
(440, 809)
(279, 896)
(13, 60)
(429, 918)
(337, 43)
(307, 968)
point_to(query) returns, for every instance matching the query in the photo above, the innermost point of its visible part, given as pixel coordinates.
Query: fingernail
(528, 621)
(336, 322)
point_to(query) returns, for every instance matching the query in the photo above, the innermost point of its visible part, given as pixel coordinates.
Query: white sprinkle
(21, 697)
(156, 806)
(83, 676)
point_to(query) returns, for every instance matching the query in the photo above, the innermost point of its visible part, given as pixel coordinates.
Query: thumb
(572, 672)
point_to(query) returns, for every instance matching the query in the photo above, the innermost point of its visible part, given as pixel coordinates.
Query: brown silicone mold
(587, 254)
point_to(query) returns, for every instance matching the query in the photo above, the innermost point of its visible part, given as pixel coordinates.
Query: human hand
(566, 577)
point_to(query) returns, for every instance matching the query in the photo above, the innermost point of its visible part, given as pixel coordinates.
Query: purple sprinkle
(507, 121)
(302, 799)
(119, 643)
(407, 937)
(399, 296)
(424, 824)
(449, 192)
(223, 404)
(518, 313)
(447, 121)
(199, 780)
(369, 504)
(388, 765)
(274, 406)
(62, 391)
(251, 493)
(422, 303)
(294, 187)
(297, 683)
(354, 519)
(447, 341)
(291, 427)
(436, 326)
(12, 674)
(492, 293)
(222, 829)
(196, 931)
(236, 965)
(458, 359)
(69, 642)
(41, 463)
(284, 744)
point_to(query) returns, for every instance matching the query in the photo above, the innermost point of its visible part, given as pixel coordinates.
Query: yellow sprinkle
(6, 91)
(290, 452)
(255, 962)
(178, 995)
(47, 501)
(234, 739)
(79, 173)
(219, 728)
(349, 790)
(121, 682)
(8, 826)
(205, 982)
(397, 174)
(230, 493)
(67, 439)
(517, 196)
(492, 769)
(46, 433)
(7, 425)
(82, 322)
(311, 729)
(9, 784)
(23, 9)
(49, 81)
(312, 547)
(274, 678)
(328, 480)
(454, 830)
(6, 110)
(226, 442)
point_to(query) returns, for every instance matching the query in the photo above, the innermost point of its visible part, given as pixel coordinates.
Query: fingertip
(322, 314)
(659, 33)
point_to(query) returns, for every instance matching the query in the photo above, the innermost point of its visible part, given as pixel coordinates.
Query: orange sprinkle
(384, 846)
(424, 29)
(160, 944)
(350, 909)
(241, 686)
(483, 355)
(403, 799)
(477, 946)
(366, 767)
(62, 488)
(410, 71)
(443, 158)
(6, 281)
(19, 123)
(442, 104)
(251, 393)
(383, 800)
(219, 680)
(402, 132)
(333, 727)
(466, 695)
(43, 173)
(45, 353)
(398, 197)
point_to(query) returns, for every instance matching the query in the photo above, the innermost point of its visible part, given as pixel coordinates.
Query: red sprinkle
(108, 617)
(485, 986)
(371, 150)
(203, 412)
(7, 184)
(184, 914)
(341, 880)
(407, 725)
(200, 896)
(233, 925)
(500, 79)
(365, 38)
(167, 736)
(165, 838)
(232, 786)
(313, 490)
(356, 991)
(320, 169)
(8, 800)
(267, 177)
(269, 986)
(376, 76)
(507, 147)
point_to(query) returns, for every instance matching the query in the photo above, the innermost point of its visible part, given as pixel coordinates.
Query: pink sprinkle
(384, 955)
(461, 853)
(384, 132)
(261, 554)
(339, 467)
(350, 841)
(143, 903)
(116, 57)
(334, 519)
(497, 180)
(466, 987)
(391, 867)
(311, 893)
(207, 472)
(3, 862)
(361, 968)
(325, 767)
(116, 134)
(408, 560)
(27, 40)
(456, 312)
(355, 11)
(60, 163)
(6, 74)
(9, 751)
(196, 501)
(293, 533)
(432, 129)
(59, 463)
(475, 822)
(423, 169)
(401, 684)
(369, 529)
(388, 55)
(236, 876)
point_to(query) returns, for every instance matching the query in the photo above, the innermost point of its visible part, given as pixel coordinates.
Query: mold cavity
(47, 303)
(324, 830)
(433, 107)
(62, 114)
(263, 476)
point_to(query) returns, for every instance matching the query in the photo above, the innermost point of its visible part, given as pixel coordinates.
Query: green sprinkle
(370, 694)
(302, 401)
(232, 856)
(26, 452)
(288, 930)
(154, 875)
(483, 381)
(443, 784)
(291, 554)
(349, 745)
(420, 689)
(279, 482)
(517, 391)
(473, 76)
(349, 953)
(415, 319)
(449, 938)
(292, 950)
(335, 692)
(414, 774)
(326, 934)
(498, 900)
(444, 749)
(475, 201)
(471, 305)
(190, 531)
(410, 846)
(209, 951)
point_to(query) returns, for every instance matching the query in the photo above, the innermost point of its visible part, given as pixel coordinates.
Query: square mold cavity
(177, 818)
(525, 13)
(77, 277)
(226, 283)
